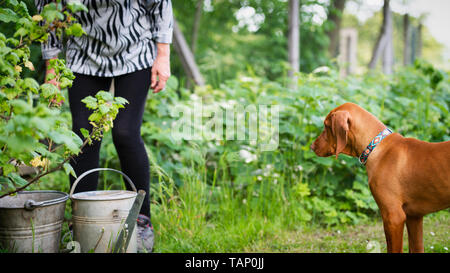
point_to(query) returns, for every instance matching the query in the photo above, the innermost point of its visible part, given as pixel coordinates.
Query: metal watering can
(99, 217)
(31, 221)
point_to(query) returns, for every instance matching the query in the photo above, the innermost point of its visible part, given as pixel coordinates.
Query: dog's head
(334, 137)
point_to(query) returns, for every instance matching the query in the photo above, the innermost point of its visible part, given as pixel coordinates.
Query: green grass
(305, 239)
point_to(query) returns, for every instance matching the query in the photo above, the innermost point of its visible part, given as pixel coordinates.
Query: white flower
(259, 178)
(246, 79)
(446, 248)
(432, 247)
(275, 181)
(194, 96)
(247, 156)
(321, 69)
(432, 233)
(299, 168)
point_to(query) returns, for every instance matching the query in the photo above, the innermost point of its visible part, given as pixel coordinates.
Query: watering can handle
(100, 169)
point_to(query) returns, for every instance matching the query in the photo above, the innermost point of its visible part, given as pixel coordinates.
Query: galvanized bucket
(31, 221)
(99, 216)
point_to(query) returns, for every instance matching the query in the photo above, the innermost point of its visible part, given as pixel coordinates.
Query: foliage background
(210, 196)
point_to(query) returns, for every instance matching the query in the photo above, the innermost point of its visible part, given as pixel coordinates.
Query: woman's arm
(162, 32)
(161, 68)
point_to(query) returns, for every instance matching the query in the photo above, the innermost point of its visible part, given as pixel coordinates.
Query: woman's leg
(126, 132)
(88, 158)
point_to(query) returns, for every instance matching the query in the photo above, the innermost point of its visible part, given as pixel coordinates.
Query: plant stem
(57, 168)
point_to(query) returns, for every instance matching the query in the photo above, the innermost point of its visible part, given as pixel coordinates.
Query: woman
(128, 41)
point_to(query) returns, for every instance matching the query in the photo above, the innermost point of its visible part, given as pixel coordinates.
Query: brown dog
(407, 177)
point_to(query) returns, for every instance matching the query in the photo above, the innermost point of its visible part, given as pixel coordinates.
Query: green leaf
(50, 76)
(69, 170)
(65, 82)
(8, 168)
(7, 15)
(84, 132)
(71, 140)
(76, 6)
(120, 100)
(95, 116)
(12, 2)
(22, 10)
(7, 81)
(19, 181)
(48, 90)
(104, 108)
(90, 102)
(31, 84)
(50, 13)
(106, 96)
(21, 32)
(21, 106)
(75, 30)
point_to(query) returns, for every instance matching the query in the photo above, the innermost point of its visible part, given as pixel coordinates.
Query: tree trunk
(196, 26)
(406, 41)
(186, 56)
(294, 40)
(382, 37)
(335, 12)
(419, 41)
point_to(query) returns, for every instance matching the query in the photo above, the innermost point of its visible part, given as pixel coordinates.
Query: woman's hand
(161, 68)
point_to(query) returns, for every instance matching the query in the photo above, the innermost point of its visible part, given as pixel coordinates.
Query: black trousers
(126, 133)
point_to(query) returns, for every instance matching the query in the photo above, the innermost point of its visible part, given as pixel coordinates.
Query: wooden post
(348, 44)
(388, 53)
(186, 56)
(294, 40)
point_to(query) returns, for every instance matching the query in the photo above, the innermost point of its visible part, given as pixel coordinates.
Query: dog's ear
(340, 121)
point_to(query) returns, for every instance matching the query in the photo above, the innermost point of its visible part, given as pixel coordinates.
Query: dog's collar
(375, 141)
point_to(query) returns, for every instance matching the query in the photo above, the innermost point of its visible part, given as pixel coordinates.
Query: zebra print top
(121, 36)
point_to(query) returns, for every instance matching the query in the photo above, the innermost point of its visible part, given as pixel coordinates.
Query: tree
(384, 42)
(294, 38)
(196, 25)
(186, 56)
(335, 11)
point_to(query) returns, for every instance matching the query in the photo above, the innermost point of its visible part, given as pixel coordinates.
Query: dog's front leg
(414, 224)
(394, 222)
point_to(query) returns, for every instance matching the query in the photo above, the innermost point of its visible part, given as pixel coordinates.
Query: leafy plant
(33, 130)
